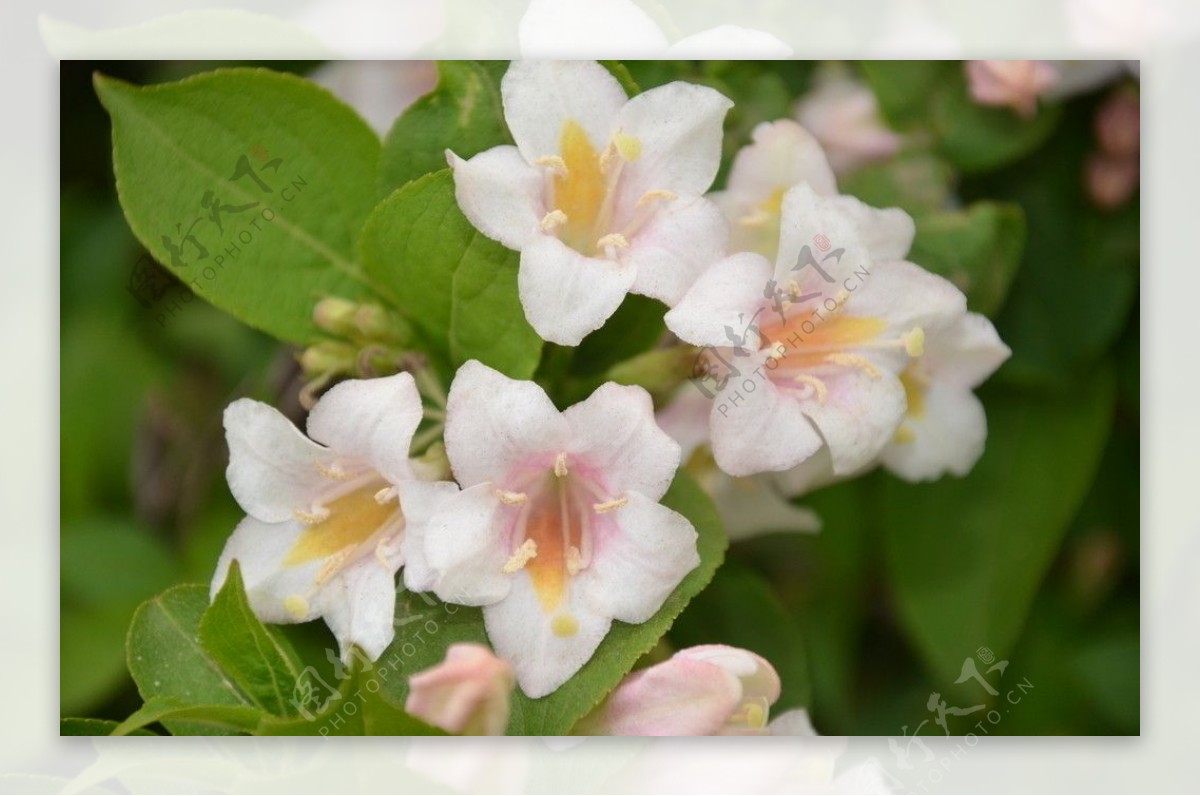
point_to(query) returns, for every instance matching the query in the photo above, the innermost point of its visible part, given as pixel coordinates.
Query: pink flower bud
(1014, 84)
(843, 115)
(1119, 124)
(1111, 180)
(466, 694)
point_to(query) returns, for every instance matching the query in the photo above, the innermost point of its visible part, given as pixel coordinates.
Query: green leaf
(979, 249)
(741, 609)
(916, 182)
(200, 719)
(965, 556)
(903, 87)
(463, 114)
(167, 660)
(426, 627)
(457, 286)
(258, 659)
(290, 168)
(74, 726)
(623, 76)
(1107, 671)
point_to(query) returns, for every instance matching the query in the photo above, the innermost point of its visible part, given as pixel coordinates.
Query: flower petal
(815, 229)
(859, 416)
(464, 548)
(758, 677)
(729, 41)
(782, 154)
(948, 435)
(359, 604)
(492, 422)
(905, 296)
(753, 506)
(793, 722)
(680, 696)
(887, 233)
(760, 429)
(685, 418)
(260, 548)
(967, 352)
(680, 128)
(726, 296)
(570, 28)
(565, 294)
(273, 468)
(420, 501)
(679, 242)
(634, 571)
(614, 429)
(523, 634)
(540, 97)
(372, 420)
(500, 194)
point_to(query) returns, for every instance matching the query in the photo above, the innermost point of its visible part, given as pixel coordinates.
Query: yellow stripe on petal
(914, 391)
(580, 192)
(352, 520)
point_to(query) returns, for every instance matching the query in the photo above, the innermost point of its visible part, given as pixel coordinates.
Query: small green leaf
(73, 726)
(740, 609)
(917, 182)
(903, 88)
(457, 286)
(426, 627)
(199, 719)
(250, 185)
(979, 249)
(463, 114)
(259, 660)
(966, 555)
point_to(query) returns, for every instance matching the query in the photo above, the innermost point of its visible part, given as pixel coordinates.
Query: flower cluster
(821, 352)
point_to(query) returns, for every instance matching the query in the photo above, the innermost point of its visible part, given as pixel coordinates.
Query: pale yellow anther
(386, 494)
(903, 435)
(613, 239)
(609, 505)
(553, 220)
(629, 146)
(511, 498)
(756, 219)
(778, 352)
(555, 163)
(333, 472)
(574, 561)
(560, 465)
(655, 196)
(854, 361)
(380, 555)
(522, 556)
(914, 342)
(317, 515)
(822, 392)
(793, 288)
(296, 605)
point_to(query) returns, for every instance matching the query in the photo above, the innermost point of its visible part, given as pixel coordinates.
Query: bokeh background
(1033, 558)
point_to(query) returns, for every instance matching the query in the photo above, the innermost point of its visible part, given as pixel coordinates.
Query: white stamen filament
(654, 196)
(609, 505)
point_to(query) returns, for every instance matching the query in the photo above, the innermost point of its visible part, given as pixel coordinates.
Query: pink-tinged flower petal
(1111, 181)
(567, 295)
(359, 604)
(371, 420)
(808, 476)
(758, 678)
(670, 252)
(966, 353)
(680, 696)
(494, 421)
(273, 468)
(753, 506)
(907, 296)
(634, 570)
(260, 548)
(726, 296)
(569, 28)
(420, 501)
(524, 633)
(685, 419)
(947, 435)
(759, 429)
(782, 154)
(679, 129)
(794, 722)
(464, 548)
(1015, 84)
(887, 233)
(500, 194)
(818, 229)
(540, 97)
(466, 694)
(614, 429)
(859, 415)
(844, 116)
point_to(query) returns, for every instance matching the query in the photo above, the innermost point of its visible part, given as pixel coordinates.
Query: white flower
(328, 517)
(602, 194)
(466, 694)
(842, 112)
(944, 426)
(558, 529)
(809, 352)
(712, 689)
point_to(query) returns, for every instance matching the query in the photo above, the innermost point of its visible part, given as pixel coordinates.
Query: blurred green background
(1033, 558)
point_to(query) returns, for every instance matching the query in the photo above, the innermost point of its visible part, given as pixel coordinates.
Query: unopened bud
(328, 356)
(335, 315)
(375, 323)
